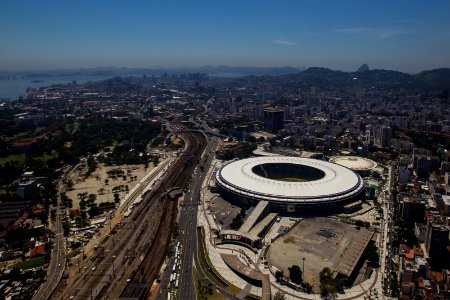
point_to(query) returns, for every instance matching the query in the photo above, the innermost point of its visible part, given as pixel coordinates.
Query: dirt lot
(95, 183)
(321, 241)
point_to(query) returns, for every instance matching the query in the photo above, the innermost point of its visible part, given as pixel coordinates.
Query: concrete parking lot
(321, 241)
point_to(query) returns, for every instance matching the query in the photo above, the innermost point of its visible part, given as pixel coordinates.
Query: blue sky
(408, 36)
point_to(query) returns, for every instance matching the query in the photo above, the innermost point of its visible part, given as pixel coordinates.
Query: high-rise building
(273, 119)
(413, 209)
(437, 241)
(425, 164)
(384, 136)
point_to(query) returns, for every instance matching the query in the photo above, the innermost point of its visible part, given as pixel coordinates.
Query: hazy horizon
(407, 36)
(193, 68)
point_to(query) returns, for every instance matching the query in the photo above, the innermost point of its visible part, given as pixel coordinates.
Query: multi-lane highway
(181, 285)
(178, 277)
(187, 239)
(56, 266)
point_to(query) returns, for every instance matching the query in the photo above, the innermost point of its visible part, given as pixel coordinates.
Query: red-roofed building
(410, 255)
(37, 250)
(38, 209)
(403, 249)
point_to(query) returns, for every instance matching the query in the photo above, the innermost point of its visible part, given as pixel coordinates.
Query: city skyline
(405, 36)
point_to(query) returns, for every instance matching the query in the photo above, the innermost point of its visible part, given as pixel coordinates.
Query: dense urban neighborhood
(304, 185)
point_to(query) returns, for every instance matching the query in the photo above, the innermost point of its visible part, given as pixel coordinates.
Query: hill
(437, 79)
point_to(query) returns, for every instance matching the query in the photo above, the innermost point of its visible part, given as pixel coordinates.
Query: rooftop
(337, 182)
(353, 253)
(354, 162)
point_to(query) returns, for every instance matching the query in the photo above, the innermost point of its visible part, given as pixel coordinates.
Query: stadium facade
(291, 184)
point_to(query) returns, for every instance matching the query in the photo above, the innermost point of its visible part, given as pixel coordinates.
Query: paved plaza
(321, 241)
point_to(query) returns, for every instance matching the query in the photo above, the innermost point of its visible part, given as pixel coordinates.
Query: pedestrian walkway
(244, 293)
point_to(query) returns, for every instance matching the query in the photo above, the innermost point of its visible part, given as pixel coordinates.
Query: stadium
(291, 184)
(361, 165)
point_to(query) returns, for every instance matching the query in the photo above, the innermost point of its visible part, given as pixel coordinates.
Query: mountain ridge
(435, 79)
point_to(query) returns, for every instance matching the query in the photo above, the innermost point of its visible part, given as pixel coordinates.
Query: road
(386, 250)
(56, 266)
(187, 235)
(188, 239)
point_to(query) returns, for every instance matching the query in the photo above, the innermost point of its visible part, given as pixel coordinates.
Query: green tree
(325, 274)
(66, 228)
(82, 196)
(83, 215)
(69, 184)
(93, 211)
(92, 165)
(307, 287)
(53, 215)
(155, 160)
(328, 290)
(82, 205)
(279, 275)
(329, 286)
(66, 201)
(295, 274)
(43, 217)
(371, 254)
(279, 296)
(48, 250)
(91, 199)
(116, 198)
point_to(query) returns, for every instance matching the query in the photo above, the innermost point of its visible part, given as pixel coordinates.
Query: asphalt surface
(56, 265)
(187, 237)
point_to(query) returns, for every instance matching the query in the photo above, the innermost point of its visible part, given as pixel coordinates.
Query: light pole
(303, 267)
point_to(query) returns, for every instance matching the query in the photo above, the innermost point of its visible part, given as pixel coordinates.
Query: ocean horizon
(14, 87)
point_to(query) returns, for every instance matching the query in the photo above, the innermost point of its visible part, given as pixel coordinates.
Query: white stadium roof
(338, 183)
(354, 162)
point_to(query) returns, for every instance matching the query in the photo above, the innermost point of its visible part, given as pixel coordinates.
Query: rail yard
(125, 263)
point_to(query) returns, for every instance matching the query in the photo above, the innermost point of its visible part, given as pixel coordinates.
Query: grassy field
(292, 179)
(208, 268)
(215, 295)
(17, 157)
(20, 158)
(31, 263)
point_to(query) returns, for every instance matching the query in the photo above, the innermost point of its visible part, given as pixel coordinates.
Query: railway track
(143, 278)
(130, 257)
